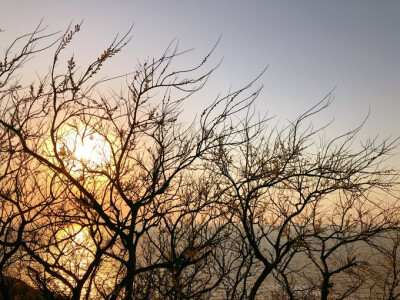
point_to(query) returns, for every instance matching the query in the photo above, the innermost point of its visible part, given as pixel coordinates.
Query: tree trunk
(76, 293)
(325, 288)
(4, 289)
(258, 283)
(129, 279)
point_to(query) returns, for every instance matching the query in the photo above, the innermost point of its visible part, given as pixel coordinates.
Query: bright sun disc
(83, 147)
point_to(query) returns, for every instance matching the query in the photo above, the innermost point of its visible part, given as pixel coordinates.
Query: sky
(310, 48)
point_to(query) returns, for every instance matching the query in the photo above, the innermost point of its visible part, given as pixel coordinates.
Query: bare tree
(138, 202)
(382, 272)
(277, 177)
(20, 180)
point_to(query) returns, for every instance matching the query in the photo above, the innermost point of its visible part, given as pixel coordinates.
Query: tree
(337, 246)
(383, 278)
(136, 200)
(276, 180)
(110, 195)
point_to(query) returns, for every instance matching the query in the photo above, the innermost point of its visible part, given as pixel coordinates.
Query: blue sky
(310, 47)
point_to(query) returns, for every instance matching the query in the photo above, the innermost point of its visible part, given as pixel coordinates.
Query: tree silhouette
(110, 195)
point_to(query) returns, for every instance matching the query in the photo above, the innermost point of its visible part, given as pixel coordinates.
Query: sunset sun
(85, 148)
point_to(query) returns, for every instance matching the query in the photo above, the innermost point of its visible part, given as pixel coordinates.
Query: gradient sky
(311, 47)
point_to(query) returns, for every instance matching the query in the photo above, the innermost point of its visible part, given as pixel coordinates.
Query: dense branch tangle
(110, 195)
(137, 194)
